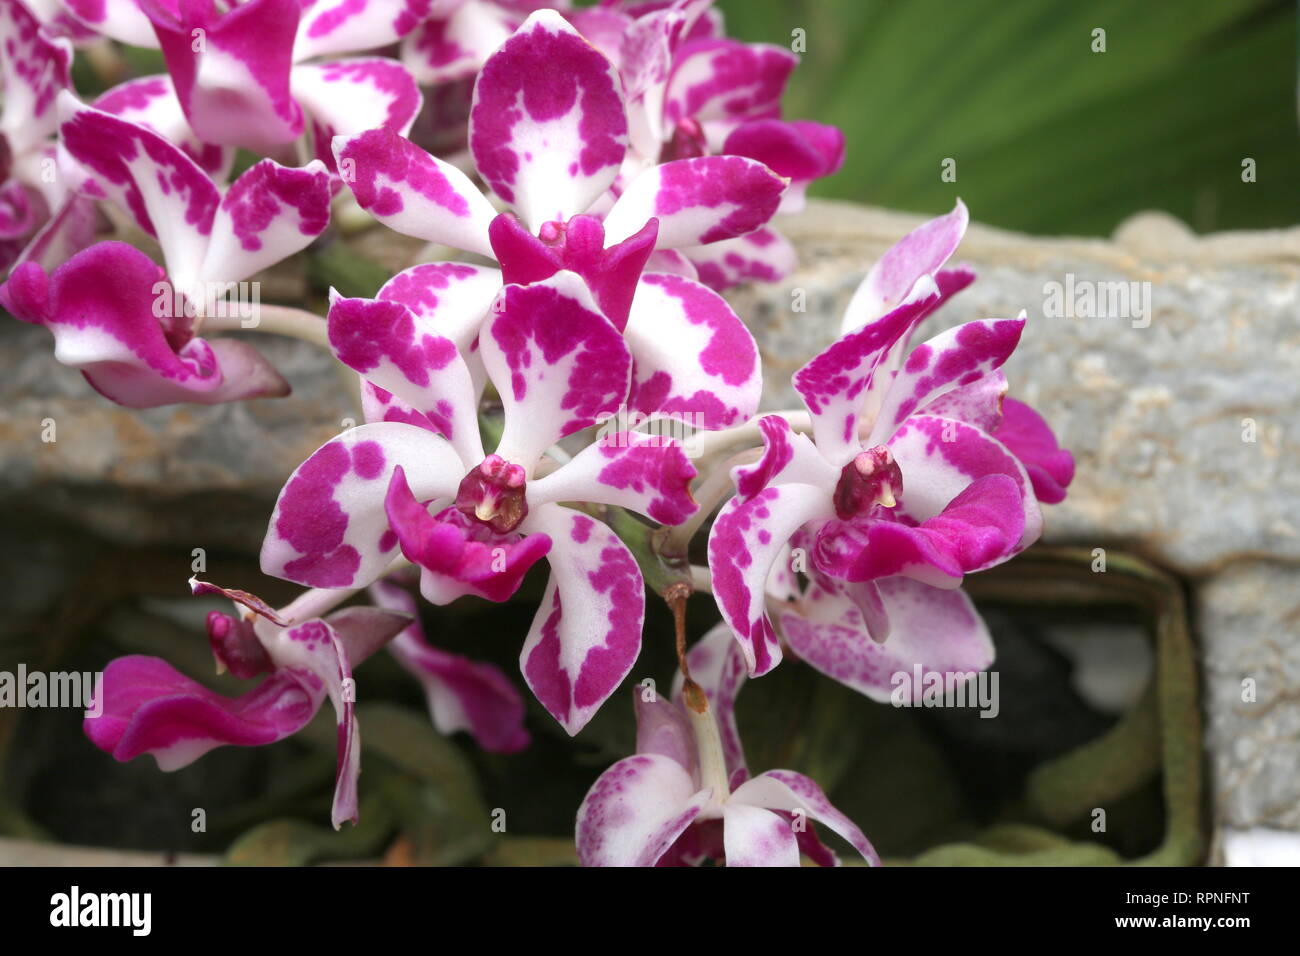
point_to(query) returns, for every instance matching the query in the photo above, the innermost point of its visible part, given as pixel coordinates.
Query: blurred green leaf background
(1048, 136)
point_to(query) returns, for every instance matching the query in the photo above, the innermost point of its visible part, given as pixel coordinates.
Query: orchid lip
(494, 494)
(872, 478)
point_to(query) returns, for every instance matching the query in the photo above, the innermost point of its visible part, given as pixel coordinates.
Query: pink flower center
(494, 494)
(872, 478)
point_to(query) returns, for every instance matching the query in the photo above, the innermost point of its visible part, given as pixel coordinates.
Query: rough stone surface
(1157, 417)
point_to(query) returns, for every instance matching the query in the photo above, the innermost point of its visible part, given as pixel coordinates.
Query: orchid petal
(412, 192)
(149, 707)
(662, 727)
(117, 340)
(1027, 436)
(461, 694)
(232, 76)
(956, 357)
(151, 101)
(35, 67)
(352, 96)
(329, 528)
(938, 629)
(268, 213)
(166, 191)
(788, 458)
(547, 128)
(396, 349)
(456, 554)
(330, 27)
(834, 383)
(746, 540)
(939, 458)
(753, 836)
(763, 255)
(801, 151)
(644, 473)
(695, 360)
(557, 362)
(587, 633)
(792, 792)
(454, 47)
(635, 811)
(697, 201)
(978, 404)
(923, 251)
(722, 82)
(453, 298)
(121, 20)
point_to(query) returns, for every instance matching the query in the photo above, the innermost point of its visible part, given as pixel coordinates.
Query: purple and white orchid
(686, 797)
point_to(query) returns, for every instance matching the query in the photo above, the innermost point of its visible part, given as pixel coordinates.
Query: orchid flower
(693, 92)
(687, 797)
(139, 346)
(240, 68)
(149, 707)
(905, 490)
(458, 36)
(559, 365)
(35, 67)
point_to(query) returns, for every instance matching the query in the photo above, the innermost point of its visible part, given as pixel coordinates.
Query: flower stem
(278, 320)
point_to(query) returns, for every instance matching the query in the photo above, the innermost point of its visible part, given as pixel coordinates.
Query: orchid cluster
(592, 178)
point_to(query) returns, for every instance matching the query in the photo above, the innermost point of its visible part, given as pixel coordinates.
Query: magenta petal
(399, 351)
(724, 82)
(939, 630)
(459, 555)
(923, 251)
(453, 46)
(978, 528)
(148, 707)
(747, 539)
(763, 255)
(557, 362)
(547, 128)
(345, 26)
(836, 382)
(412, 192)
(118, 342)
(697, 201)
(234, 86)
(696, 362)
(788, 458)
(799, 151)
(36, 67)
(461, 694)
(329, 528)
(1030, 438)
(587, 633)
(579, 246)
(352, 96)
(635, 811)
(122, 20)
(647, 474)
(788, 791)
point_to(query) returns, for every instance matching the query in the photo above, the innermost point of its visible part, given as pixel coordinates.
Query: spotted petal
(753, 836)
(412, 192)
(351, 96)
(793, 792)
(695, 360)
(1027, 436)
(121, 20)
(747, 539)
(648, 474)
(954, 358)
(635, 811)
(938, 629)
(453, 47)
(399, 351)
(330, 27)
(587, 633)
(697, 201)
(834, 383)
(35, 67)
(547, 128)
(232, 76)
(158, 184)
(923, 251)
(763, 255)
(557, 362)
(788, 458)
(118, 342)
(722, 82)
(329, 528)
(151, 101)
